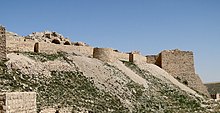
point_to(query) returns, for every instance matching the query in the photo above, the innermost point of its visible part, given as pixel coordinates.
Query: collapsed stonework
(50, 37)
(45, 42)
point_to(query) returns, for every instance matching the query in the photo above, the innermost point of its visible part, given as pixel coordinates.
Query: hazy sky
(149, 26)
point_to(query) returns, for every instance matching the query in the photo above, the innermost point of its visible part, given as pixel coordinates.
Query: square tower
(3, 52)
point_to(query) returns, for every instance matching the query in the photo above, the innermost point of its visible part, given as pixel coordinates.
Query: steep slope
(78, 84)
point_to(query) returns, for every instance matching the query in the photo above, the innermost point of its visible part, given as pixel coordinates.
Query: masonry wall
(180, 64)
(20, 44)
(2, 44)
(137, 58)
(104, 54)
(18, 102)
(154, 59)
(26, 45)
(54, 48)
(121, 56)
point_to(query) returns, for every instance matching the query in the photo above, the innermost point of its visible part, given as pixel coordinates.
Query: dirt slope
(71, 83)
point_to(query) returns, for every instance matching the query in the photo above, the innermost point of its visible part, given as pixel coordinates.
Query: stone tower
(3, 51)
(180, 64)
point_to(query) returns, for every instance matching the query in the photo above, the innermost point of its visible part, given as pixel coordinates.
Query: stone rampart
(104, 54)
(179, 64)
(137, 58)
(121, 56)
(152, 59)
(27, 45)
(54, 48)
(2, 43)
(18, 102)
(20, 44)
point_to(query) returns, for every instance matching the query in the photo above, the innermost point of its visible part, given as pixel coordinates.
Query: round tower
(104, 54)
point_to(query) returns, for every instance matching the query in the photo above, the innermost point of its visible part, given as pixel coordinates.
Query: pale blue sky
(149, 26)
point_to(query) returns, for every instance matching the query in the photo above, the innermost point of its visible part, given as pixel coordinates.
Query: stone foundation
(18, 102)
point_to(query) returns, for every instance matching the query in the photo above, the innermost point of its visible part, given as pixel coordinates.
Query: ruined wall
(137, 58)
(27, 45)
(54, 48)
(154, 59)
(180, 64)
(104, 54)
(121, 56)
(3, 54)
(20, 44)
(18, 102)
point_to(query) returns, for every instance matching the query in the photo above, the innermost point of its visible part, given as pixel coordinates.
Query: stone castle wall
(2, 44)
(18, 102)
(121, 56)
(27, 45)
(152, 59)
(109, 55)
(54, 48)
(104, 54)
(137, 58)
(180, 64)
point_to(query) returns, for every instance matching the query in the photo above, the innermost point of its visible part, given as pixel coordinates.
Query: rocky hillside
(72, 83)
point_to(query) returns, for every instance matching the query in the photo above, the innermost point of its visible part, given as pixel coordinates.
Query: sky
(148, 26)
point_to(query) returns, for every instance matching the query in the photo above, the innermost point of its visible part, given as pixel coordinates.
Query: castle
(179, 64)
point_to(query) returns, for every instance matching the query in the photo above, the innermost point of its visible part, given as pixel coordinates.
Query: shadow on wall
(55, 41)
(36, 47)
(67, 43)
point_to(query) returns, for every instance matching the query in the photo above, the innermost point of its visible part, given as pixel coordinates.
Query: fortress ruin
(180, 64)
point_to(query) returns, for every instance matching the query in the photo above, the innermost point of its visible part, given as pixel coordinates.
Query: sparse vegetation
(43, 57)
(169, 99)
(74, 90)
(64, 89)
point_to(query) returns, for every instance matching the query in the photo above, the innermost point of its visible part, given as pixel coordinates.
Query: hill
(78, 84)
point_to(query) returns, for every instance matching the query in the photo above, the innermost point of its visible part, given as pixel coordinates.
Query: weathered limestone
(3, 54)
(49, 37)
(154, 59)
(36, 47)
(214, 90)
(136, 57)
(179, 64)
(104, 54)
(121, 56)
(18, 102)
